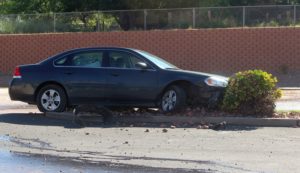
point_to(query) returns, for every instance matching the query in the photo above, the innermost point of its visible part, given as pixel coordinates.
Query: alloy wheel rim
(169, 100)
(50, 100)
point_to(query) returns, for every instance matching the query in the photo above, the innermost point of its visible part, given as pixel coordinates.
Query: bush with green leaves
(251, 92)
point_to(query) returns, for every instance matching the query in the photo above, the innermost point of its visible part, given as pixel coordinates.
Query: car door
(83, 76)
(128, 83)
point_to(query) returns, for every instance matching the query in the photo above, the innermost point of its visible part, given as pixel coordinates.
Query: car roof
(91, 48)
(49, 59)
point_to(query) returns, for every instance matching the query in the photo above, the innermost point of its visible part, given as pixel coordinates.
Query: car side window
(119, 59)
(82, 59)
(61, 61)
(88, 59)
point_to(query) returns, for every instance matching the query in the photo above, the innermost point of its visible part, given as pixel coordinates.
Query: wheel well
(185, 85)
(49, 83)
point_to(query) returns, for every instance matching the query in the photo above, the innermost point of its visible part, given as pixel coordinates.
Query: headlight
(216, 81)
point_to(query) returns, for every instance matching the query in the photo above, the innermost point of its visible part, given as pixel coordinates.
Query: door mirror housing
(141, 65)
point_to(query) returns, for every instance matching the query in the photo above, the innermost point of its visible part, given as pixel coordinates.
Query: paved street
(290, 101)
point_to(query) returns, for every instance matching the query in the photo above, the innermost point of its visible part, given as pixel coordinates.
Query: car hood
(195, 73)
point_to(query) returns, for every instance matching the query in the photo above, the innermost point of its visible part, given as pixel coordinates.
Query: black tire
(59, 106)
(180, 102)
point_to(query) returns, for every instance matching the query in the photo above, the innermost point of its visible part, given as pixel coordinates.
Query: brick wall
(210, 50)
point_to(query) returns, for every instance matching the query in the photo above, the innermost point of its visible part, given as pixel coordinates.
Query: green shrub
(251, 92)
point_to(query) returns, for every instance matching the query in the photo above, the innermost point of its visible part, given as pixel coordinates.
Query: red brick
(210, 50)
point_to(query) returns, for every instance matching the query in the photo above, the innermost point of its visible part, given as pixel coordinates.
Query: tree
(261, 2)
(125, 18)
(45, 6)
(30, 6)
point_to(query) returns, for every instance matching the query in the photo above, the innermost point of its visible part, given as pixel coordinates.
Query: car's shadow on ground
(39, 119)
(35, 120)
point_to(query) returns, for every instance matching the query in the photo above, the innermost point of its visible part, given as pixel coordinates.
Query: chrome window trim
(53, 62)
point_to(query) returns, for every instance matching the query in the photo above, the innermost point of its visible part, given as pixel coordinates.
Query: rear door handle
(68, 73)
(115, 74)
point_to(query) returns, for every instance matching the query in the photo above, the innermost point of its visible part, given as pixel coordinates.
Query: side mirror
(141, 65)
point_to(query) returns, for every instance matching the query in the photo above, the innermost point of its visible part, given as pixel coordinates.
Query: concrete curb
(70, 116)
(248, 121)
(245, 121)
(289, 88)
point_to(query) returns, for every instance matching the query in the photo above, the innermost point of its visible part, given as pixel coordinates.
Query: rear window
(83, 59)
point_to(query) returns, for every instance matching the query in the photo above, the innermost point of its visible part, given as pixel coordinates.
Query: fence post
(295, 15)
(194, 18)
(244, 16)
(145, 19)
(98, 21)
(54, 22)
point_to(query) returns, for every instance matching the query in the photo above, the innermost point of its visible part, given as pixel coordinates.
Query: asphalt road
(236, 149)
(110, 148)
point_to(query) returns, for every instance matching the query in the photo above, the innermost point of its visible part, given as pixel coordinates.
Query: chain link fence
(186, 18)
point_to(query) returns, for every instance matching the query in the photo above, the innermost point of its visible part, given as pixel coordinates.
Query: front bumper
(209, 96)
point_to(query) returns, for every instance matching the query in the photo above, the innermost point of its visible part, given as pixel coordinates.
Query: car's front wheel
(173, 99)
(51, 98)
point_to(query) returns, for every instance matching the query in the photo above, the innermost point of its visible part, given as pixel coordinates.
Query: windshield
(157, 61)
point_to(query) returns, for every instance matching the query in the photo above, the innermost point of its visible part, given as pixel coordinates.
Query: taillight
(17, 73)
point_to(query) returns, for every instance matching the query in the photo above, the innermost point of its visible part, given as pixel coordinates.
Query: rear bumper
(21, 91)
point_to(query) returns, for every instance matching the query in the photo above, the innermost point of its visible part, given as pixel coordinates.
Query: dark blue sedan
(110, 76)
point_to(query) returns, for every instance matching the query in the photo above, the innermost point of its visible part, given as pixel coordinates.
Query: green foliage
(130, 21)
(88, 22)
(26, 24)
(251, 92)
(272, 23)
(219, 23)
(46, 6)
(30, 6)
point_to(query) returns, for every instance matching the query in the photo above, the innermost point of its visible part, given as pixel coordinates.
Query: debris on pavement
(220, 126)
(164, 130)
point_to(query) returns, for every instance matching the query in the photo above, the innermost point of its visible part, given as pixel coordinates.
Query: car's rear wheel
(173, 99)
(51, 98)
